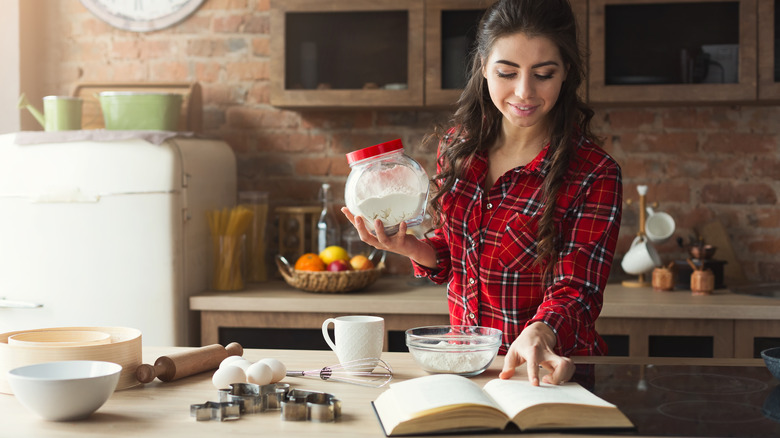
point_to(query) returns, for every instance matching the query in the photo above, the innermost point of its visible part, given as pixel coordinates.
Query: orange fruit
(309, 262)
(361, 262)
(333, 253)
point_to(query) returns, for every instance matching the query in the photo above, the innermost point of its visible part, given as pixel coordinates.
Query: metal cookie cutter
(215, 411)
(315, 406)
(255, 398)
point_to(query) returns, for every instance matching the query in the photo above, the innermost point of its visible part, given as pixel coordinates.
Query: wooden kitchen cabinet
(652, 337)
(352, 53)
(768, 50)
(347, 53)
(652, 50)
(635, 322)
(414, 53)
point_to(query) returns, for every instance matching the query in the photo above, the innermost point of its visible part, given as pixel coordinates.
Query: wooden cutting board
(191, 118)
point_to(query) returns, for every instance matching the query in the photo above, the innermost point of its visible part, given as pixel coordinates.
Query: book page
(513, 396)
(428, 393)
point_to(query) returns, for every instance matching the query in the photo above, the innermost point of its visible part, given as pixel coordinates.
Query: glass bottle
(328, 232)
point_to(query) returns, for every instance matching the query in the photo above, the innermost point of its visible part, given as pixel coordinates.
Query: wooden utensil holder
(702, 282)
(663, 279)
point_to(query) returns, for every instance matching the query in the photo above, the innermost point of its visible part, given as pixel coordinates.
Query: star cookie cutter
(215, 411)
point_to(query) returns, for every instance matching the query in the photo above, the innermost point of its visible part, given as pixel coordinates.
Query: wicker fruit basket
(329, 282)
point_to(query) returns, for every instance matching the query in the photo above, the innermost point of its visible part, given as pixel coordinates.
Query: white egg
(259, 373)
(223, 377)
(243, 364)
(280, 371)
(228, 360)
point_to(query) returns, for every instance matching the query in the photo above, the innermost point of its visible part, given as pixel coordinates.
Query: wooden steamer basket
(327, 281)
(124, 349)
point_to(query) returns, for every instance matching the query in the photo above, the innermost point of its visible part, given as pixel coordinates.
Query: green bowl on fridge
(130, 110)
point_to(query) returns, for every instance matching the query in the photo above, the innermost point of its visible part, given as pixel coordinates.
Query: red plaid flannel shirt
(486, 248)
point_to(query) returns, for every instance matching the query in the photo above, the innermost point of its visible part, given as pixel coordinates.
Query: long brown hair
(477, 122)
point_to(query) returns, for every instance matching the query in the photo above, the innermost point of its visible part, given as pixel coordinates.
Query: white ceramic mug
(357, 337)
(659, 226)
(641, 257)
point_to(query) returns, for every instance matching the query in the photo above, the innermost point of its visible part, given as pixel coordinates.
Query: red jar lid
(373, 151)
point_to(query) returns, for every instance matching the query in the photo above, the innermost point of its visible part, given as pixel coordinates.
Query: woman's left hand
(534, 347)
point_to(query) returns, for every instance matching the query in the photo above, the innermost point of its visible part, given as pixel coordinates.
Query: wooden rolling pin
(178, 365)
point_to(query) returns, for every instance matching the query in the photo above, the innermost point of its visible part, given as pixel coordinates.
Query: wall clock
(142, 15)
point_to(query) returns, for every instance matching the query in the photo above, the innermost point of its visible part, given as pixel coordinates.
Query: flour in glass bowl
(452, 362)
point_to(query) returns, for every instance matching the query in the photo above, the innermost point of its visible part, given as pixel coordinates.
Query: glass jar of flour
(386, 184)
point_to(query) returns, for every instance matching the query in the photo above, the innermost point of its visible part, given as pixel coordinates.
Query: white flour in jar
(453, 362)
(393, 195)
(391, 209)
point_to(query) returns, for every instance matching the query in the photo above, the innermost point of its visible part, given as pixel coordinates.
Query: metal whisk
(361, 372)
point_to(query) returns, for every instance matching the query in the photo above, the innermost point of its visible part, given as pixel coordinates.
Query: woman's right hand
(401, 242)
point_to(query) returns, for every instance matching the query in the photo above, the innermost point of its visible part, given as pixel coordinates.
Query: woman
(528, 206)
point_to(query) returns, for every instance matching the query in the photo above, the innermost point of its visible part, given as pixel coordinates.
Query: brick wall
(701, 163)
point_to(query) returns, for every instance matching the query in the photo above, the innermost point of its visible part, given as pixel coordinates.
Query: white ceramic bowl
(66, 390)
(454, 349)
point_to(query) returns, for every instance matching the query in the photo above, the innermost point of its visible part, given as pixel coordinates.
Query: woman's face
(524, 76)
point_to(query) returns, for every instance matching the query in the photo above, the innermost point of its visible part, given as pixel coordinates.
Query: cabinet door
(672, 50)
(346, 53)
(450, 33)
(768, 48)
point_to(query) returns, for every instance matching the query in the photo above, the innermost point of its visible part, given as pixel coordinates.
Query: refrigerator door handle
(18, 304)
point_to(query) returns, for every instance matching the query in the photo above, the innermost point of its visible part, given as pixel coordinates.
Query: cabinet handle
(18, 304)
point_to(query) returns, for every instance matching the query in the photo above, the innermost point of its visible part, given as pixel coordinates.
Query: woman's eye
(539, 76)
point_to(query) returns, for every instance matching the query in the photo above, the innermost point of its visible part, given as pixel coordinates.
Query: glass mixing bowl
(453, 349)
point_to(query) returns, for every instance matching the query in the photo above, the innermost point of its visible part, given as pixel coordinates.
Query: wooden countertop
(162, 409)
(406, 295)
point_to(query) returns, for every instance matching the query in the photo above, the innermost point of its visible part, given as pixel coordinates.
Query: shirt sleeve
(574, 300)
(441, 273)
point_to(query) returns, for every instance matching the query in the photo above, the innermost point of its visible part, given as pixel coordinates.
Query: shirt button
(472, 316)
(489, 205)
(472, 281)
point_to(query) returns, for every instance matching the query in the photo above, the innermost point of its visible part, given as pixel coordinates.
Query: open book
(447, 403)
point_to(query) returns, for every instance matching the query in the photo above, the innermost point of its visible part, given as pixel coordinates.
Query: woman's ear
(484, 68)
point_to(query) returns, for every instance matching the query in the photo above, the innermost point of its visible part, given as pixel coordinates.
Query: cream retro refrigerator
(109, 233)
